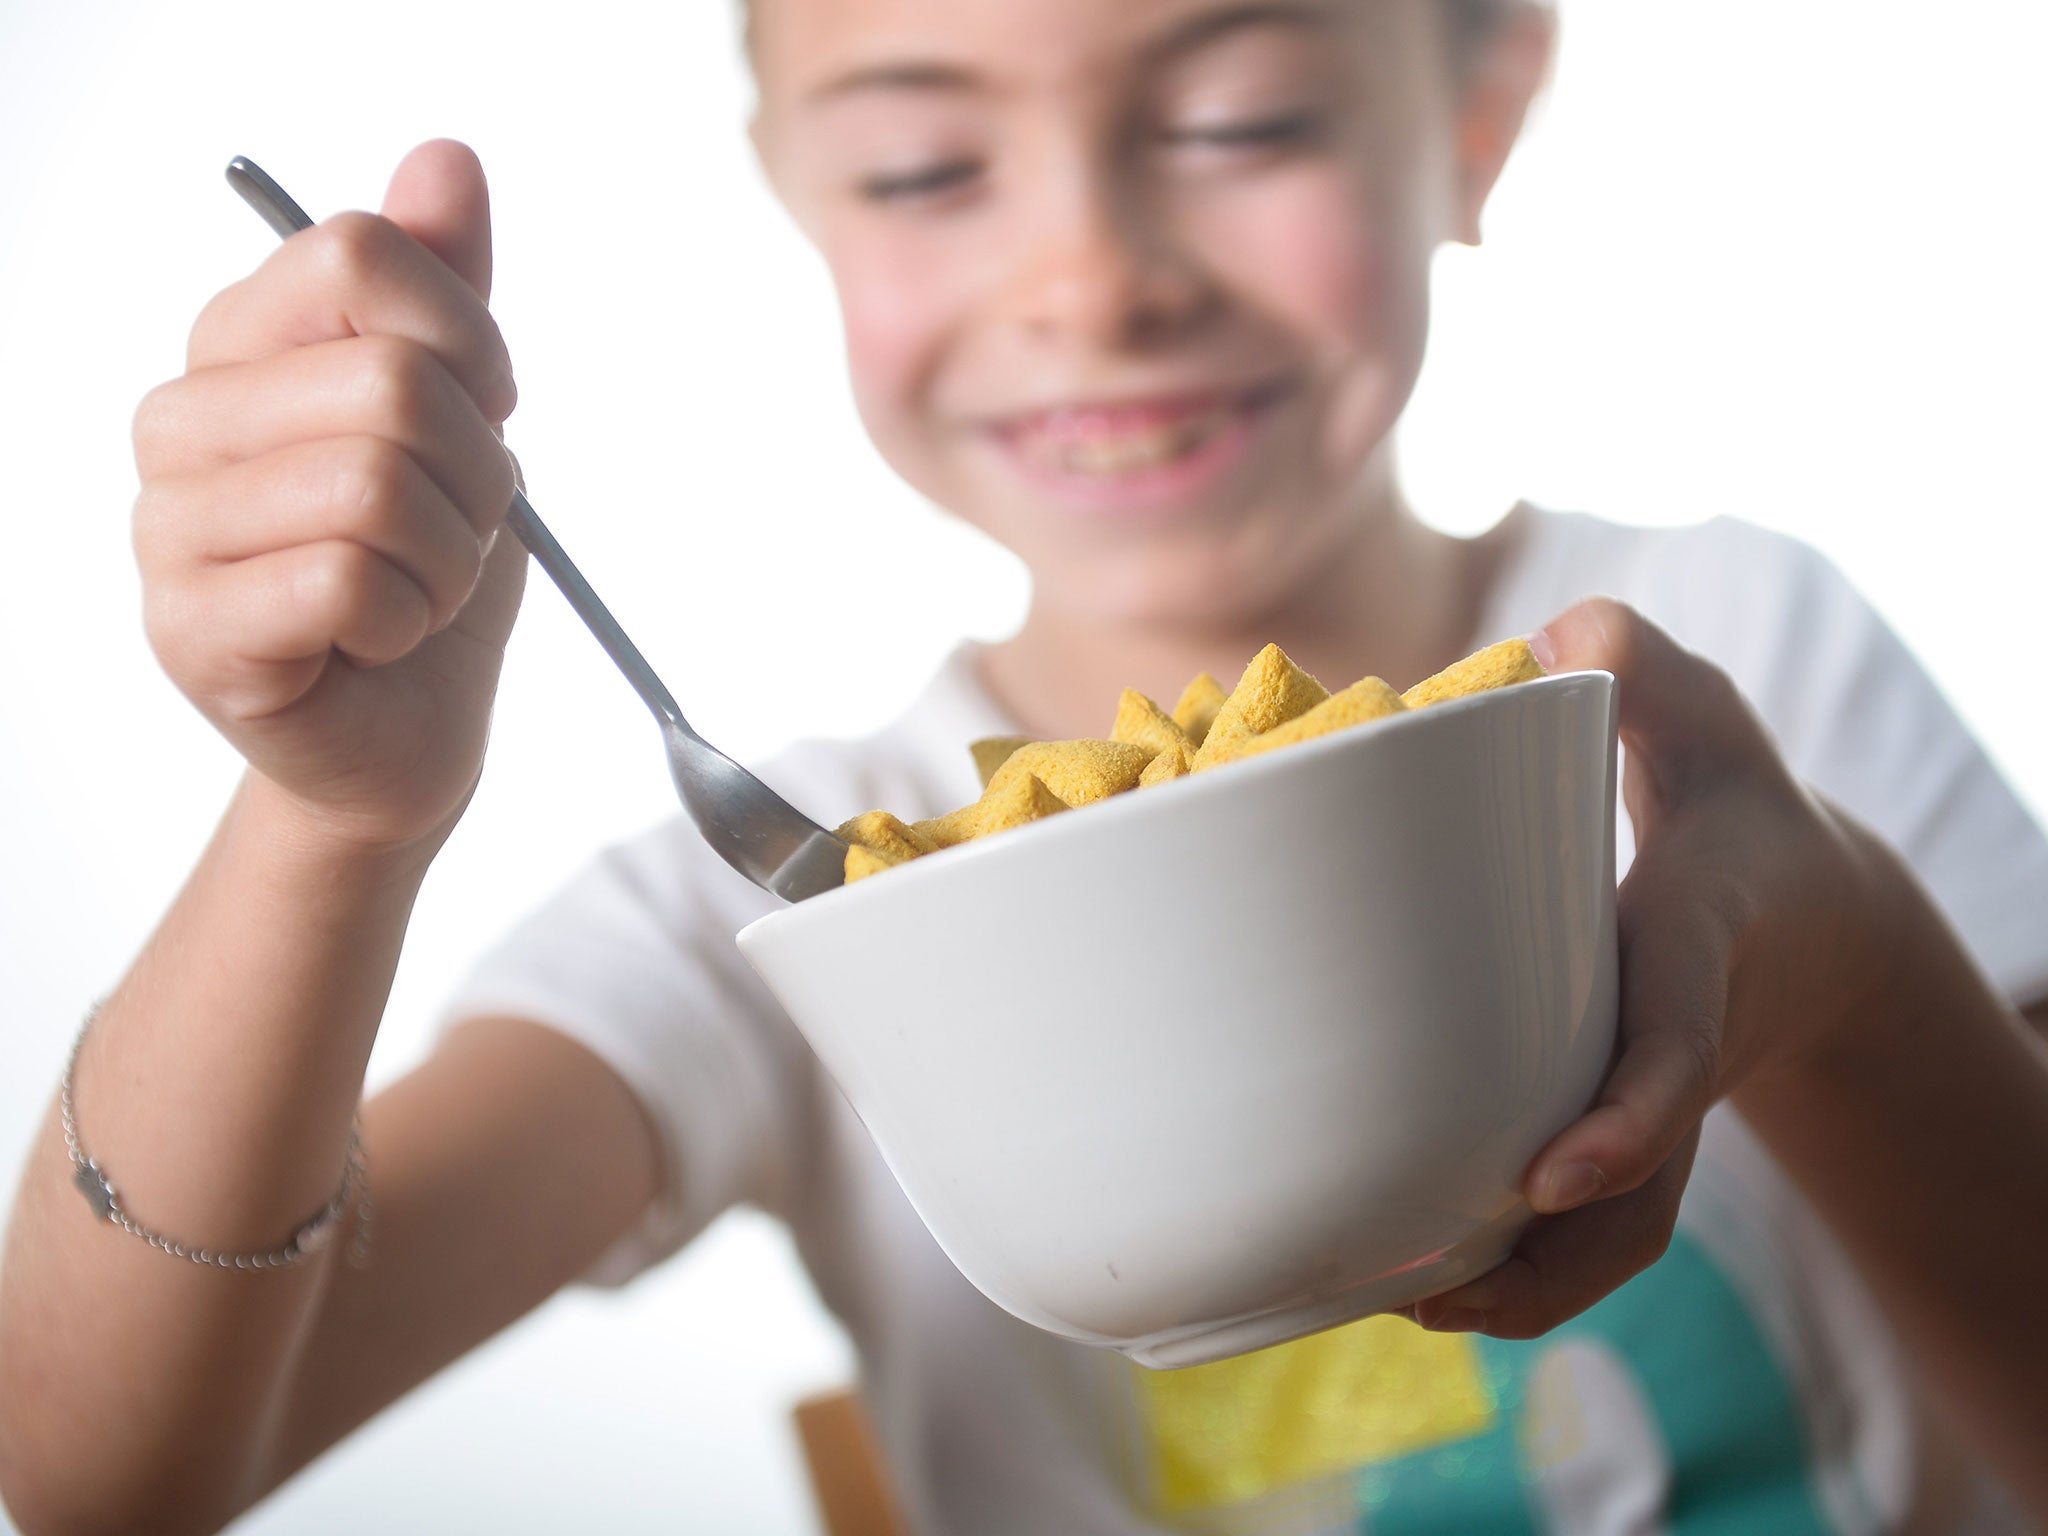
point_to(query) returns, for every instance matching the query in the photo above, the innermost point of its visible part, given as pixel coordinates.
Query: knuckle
(164, 610)
(150, 427)
(151, 524)
(1719, 698)
(372, 481)
(352, 247)
(352, 597)
(182, 628)
(333, 580)
(399, 382)
(199, 340)
(502, 478)
(1621, 630)
(502, 396)
(1699, 1040)
(469, 570)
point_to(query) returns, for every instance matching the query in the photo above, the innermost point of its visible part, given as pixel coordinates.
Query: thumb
(439, 197)
(1682, 718)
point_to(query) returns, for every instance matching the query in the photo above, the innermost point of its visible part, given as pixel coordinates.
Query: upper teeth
(1122, 452)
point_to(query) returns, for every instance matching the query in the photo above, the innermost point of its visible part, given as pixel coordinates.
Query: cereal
(991, 752)
(1016, 800)
(1079, 772)
(883, 835)
(1272, 691)
(1011, 801)
(1175, 762)
(1497, 666)
(1275, 704)
(1142, 723)
(1197, 708)
(953, 828)
(862, 862)
(1368, 699)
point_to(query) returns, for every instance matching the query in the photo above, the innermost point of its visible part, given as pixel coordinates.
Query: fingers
(1674, 997)
(368, 386)
(487, 616)
(251, 638)
(359, 274)
(1679, 712)
(438, 196)
(364, 490)
(1566, 1263)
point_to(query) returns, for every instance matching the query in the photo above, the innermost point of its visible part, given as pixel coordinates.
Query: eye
(927, 181)
(1279, 132)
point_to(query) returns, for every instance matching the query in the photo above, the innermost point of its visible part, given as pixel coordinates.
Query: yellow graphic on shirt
(1236, 1429)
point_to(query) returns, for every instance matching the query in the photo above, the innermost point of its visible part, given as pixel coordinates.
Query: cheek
(885, 341)
(1313, 255)
(1347, 275)
(897, 316)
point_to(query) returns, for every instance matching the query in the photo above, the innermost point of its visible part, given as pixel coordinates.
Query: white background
(1761, 256)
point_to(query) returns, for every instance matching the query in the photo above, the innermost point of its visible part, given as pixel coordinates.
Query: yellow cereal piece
(1013, 800)
(1196, 711)
(991, 752)
(953, 828)
(862, 862)
(1497, 666)
(882, 834)
(1142, 723)
(1272, 692)
(1018, 800)
(1175, 762)
(1199, 705)
(1079, 772)
(1367, 699)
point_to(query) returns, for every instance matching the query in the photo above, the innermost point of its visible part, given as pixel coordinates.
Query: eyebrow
(899, 75)
(1211, 26)
(1197, 32)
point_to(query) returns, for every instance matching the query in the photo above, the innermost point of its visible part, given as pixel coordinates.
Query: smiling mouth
(1115, 441)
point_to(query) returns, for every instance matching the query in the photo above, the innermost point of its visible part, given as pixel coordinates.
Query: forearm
(217, 1089)
(1922, 1136)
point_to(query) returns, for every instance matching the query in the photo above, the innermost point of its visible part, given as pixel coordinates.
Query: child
(1140, 290)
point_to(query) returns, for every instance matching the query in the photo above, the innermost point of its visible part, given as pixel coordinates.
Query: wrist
(303, 841)
(1874, 968)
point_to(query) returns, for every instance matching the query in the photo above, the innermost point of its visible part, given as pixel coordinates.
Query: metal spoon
(751, 827)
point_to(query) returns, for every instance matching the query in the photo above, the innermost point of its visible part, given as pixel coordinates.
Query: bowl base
(1205, 1342)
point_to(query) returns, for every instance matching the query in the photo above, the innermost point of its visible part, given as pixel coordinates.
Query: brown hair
(1471, 22)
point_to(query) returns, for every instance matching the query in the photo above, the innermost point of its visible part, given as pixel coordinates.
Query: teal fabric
(1735, 1439)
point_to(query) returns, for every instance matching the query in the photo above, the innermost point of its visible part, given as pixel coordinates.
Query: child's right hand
(322, 493)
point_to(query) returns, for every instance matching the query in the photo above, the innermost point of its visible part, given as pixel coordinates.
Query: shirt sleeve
(1858, 717)
(634, 959)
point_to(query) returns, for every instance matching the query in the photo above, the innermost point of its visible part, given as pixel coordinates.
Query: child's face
(1139, 289)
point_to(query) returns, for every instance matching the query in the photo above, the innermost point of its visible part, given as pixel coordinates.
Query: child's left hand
(1752, 926)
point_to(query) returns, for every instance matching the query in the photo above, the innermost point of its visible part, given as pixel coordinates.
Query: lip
(1039, 444)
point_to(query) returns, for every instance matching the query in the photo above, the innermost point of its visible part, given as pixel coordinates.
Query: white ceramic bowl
(1214, 1064)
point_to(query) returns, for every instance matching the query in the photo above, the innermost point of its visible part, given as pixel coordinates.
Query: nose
(1097, 269)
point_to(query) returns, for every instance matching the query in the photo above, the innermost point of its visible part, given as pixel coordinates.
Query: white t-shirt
(1745, 1383)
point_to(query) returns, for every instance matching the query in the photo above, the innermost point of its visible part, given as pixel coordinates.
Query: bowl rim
(1224, 778)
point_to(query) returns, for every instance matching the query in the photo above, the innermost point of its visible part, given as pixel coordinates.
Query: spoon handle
(277, 209)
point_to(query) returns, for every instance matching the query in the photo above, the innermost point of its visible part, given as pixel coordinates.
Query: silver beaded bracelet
(310, 1238)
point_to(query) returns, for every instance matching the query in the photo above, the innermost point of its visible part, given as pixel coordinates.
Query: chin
(1220, 561)
(1187, 584)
